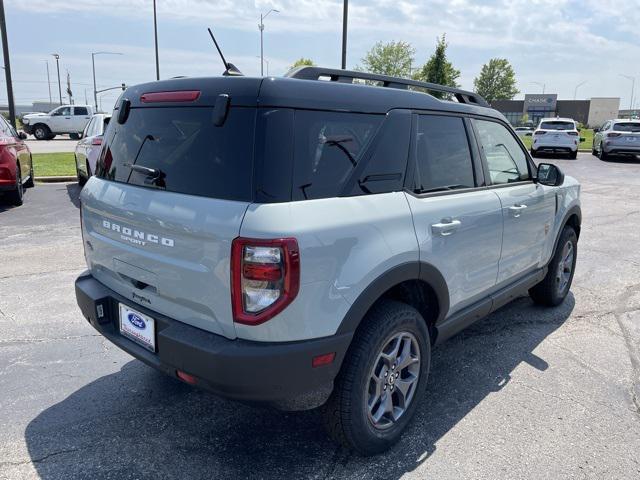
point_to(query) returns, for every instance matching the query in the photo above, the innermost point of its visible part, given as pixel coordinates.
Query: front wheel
(41, 132)
(382, 380)
(554, 288)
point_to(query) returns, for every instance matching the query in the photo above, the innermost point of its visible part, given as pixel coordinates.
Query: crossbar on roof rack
(347, 76)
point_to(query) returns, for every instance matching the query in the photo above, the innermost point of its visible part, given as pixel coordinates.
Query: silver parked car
(88, 148)
(617, 137)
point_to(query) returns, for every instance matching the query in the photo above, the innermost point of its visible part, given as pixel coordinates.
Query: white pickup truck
(65, 119)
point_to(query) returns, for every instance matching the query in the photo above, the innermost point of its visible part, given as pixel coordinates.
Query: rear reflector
(324, 359)
(179, 96)
(185, 377)
(96, 141)
(609, 135)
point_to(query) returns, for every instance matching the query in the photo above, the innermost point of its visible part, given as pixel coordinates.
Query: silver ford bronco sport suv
(306, 241)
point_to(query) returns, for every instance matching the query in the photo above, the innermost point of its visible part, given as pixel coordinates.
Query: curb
(52, 179)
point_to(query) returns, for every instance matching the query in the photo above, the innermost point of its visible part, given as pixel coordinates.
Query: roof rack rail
(347, 76)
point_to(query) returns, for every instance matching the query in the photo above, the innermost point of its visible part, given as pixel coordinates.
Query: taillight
(265, 278)
(96, 141)
(575, 134)
(612, 134)
(539, 133)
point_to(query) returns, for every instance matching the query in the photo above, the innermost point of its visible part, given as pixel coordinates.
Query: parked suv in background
(69, 119)
(556, 135)
(301, 242)
(617, 137)
(88, 148)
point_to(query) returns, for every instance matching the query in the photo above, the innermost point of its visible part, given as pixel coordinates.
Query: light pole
(261, 28)
(57, 57)
(633, 85)
(543, 85)
(575, 90)
(93, 65)
(48, 81)
(267, 62)
(155, 33)
(7, 66)
(345, 15)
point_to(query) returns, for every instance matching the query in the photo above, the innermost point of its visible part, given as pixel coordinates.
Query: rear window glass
(80, 111)
(557, 126)
(327, 148)
(182, 151)
(627, 127)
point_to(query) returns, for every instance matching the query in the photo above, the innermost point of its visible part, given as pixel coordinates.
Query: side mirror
(22, 135)
(549, 174)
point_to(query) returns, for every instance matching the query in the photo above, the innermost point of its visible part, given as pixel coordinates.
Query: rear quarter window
(193, 155)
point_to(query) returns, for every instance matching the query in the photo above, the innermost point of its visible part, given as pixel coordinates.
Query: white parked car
(524, 131)
(66, 119)
(88, 148)
(556, 135)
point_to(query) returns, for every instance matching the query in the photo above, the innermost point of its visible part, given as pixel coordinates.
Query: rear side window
(183, 151)
(627, 127)
(443, 154)
(80, 111)
(506, 160)
(327, 148)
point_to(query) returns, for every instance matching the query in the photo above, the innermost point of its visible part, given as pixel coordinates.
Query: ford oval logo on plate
(136, 321)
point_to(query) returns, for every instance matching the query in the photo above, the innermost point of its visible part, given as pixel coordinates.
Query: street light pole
(48, 81)
(543, 85)
(345, 15)
(575, 90)
(155, 32)
(57, 57)
(633, 84)
(93, 64)
(261, 28)
(7, 66)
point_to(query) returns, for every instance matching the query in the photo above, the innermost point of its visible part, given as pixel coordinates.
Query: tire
(594, 152)
(534, 154)
(347, 417)
(74, 136)
(15, 196)
(41, 132)
(82, 179)
(602, 155)
(573, 155)
(30, 183)
(555, 286)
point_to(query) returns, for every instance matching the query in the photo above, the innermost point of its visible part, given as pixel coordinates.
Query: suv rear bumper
(279, 374)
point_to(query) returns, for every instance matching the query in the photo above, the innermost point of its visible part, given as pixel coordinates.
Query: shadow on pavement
(137, 423)
(73, 191)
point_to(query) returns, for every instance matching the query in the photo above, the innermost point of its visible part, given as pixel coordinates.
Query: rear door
(160, 233)
(528, 208)
(458, 223)
(80, 118)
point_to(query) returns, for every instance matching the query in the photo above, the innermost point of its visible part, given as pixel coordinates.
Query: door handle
(517, 209)
(67, 118)
(446, 227)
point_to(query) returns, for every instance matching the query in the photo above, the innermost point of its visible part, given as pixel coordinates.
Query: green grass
(53, 164)
(586, 133)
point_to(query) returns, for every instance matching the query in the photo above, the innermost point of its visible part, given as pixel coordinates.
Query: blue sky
(560, 43)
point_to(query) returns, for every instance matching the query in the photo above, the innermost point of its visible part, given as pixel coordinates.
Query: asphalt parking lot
(528, 393)
(58, 144)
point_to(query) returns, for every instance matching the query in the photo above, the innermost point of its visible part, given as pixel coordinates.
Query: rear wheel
(381, 381)
(573, 155)
(602, 155)
(553, 289)
(594, 152)
(82, 179)
(534, 154)
(41, 132)
(74, 136)
(15, 196)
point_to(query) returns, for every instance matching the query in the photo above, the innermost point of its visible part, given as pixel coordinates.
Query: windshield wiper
(337, 141)
(155, 175)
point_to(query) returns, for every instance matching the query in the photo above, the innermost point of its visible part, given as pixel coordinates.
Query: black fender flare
(394, 276)
(575, 210)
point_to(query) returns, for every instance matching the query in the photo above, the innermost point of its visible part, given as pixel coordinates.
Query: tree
(497, 81)
(393, 58)
(438, 69)
(301, 62)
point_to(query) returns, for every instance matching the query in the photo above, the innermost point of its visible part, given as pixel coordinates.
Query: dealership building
(593, 112)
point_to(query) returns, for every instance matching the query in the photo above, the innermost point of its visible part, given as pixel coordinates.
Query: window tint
(89, 128)
(627, 127)
(190, 154)
(443, 154)
(64, 111)
(506, 160)
(80, 111)
(327, 147)
(557, 126)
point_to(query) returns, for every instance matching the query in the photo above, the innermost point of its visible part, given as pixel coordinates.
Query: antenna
(230, 68)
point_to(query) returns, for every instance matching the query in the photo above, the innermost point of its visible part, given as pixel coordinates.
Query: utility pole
(345, 15)
(7, 66)
(155, 32)
(48, 81)
(633, 85)
(261, 28)
(57, 57)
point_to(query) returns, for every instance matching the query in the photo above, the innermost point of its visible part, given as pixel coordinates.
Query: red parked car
(16, 167)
